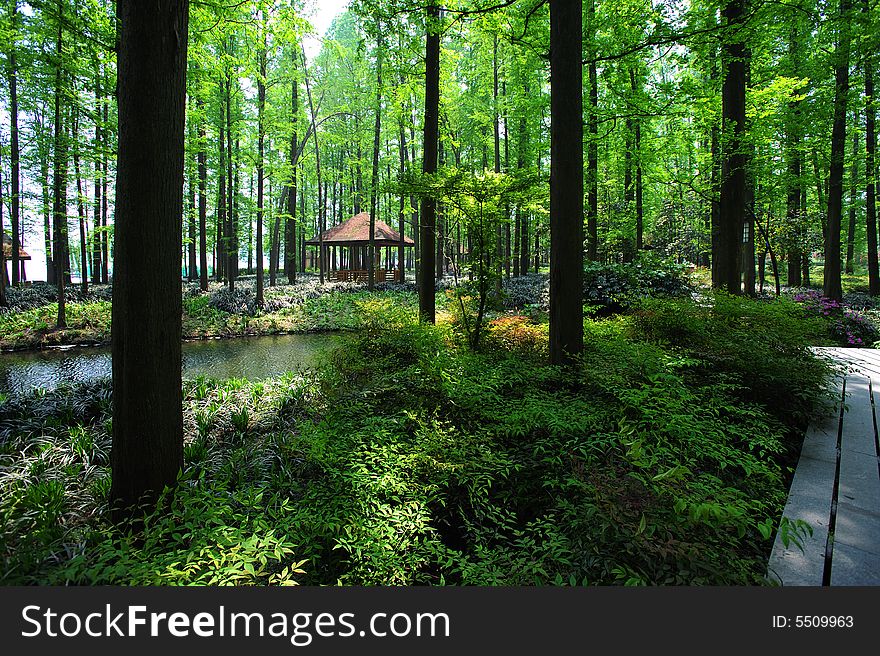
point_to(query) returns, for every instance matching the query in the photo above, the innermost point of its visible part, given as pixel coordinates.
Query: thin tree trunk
(80, 210)
(59, 184)
(870, 171)
(853, 199)
(202, 157)
(374, 192)
(261, 136)
(105, 181)
(290, 223)
(794, 182)
(231, 246)
(832, 284)
(14, 155)
(430, 144)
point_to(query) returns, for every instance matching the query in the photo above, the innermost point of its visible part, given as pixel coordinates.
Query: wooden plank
(857, 528)
(809, 500)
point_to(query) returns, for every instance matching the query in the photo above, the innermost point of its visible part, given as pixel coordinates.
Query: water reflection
(247, 357)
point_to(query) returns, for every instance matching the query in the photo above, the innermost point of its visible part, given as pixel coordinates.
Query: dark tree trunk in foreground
(566, 182)
(147, 412)
(832, 287)
(732, 208)
(429, 165)
(870, 172)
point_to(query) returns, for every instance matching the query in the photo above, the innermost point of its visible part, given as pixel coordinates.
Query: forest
(563, 265)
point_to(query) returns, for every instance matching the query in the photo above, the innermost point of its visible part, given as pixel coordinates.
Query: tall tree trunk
(220, 230)
(733, 179)
(202, 158)
(147, 449)
(231, 246)
(3, 301)
(261, 137)
(522, 158)
(401, 221)
(290, 223)
(80, 209)
(14, 155)
(832, 285)
(321, 201)
(592, 147)
(715, 187)
(566, 182)
(429, 163)
(47, 214)
(374, 191)
(853, 199)
(794, 183)
(96, 207)
(592, 167)
(870, 171)
(192, 265)
(105, 181)
(59, 182)
(637, 156)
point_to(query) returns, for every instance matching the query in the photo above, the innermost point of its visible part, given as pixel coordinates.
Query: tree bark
(853, 199)
(794, 183)
(14, 155)
(59, 180)
(202, 157)
(733, 178)
(261, 137)
(832, 284)
(290, 223)
(566, 182)
(426, 280)
(80, 210)
(147, 449)
(870, 172)
(374, 191)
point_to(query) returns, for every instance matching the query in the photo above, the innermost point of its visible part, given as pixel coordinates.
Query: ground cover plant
(408, 458)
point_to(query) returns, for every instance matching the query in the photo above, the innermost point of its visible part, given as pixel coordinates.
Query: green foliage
(199, 534)
(409, 459)
(622, 285)
(86, 322)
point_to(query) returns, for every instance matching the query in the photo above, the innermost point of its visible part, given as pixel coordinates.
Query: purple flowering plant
(846, 326)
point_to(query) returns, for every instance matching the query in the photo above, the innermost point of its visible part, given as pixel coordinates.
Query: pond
(241, 357)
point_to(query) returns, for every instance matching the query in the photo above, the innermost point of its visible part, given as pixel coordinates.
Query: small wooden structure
(345, 249)
(7, 257)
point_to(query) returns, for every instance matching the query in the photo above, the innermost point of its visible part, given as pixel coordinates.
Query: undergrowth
(408, 459)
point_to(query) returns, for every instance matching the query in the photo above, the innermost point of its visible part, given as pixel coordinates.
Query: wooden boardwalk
(836, 486)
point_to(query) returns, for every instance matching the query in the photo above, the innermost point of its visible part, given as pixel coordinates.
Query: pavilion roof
(7, 249)
(356, 231)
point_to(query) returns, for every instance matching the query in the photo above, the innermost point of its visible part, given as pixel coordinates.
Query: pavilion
(7, 256)
(345, 250)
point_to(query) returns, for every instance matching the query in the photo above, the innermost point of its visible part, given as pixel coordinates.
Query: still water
(243, 357)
